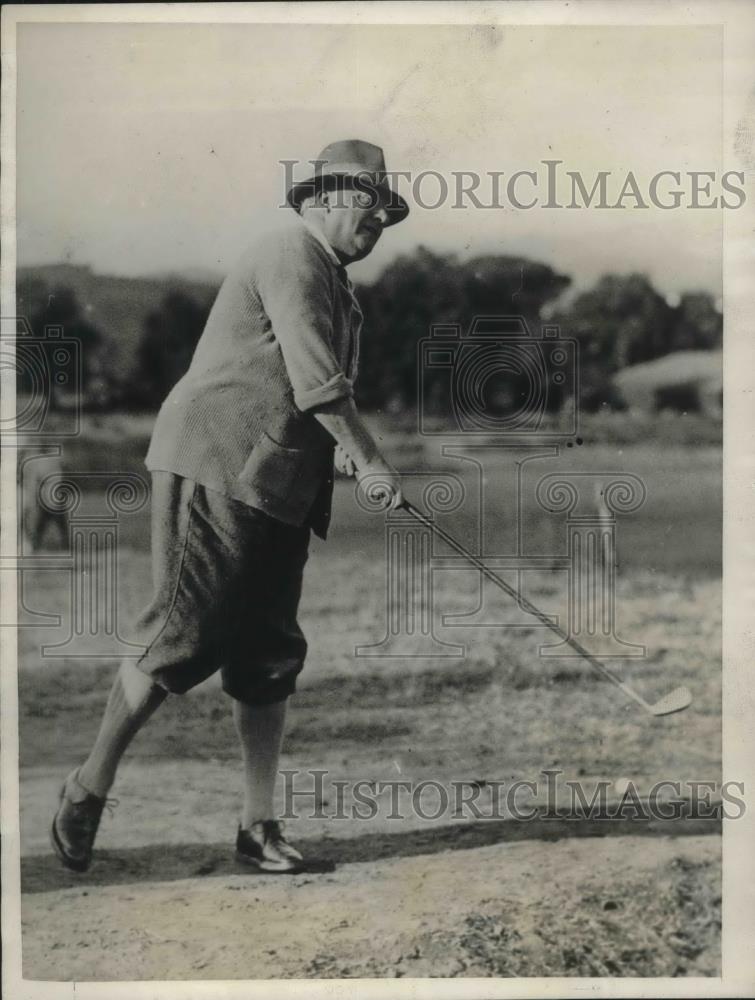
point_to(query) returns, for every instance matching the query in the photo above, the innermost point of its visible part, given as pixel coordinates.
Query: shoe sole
(71, 863)
(258, 866)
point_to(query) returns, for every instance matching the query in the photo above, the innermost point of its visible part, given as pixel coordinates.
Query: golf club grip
(523, 603)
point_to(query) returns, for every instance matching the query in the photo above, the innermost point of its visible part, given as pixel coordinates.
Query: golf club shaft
(525, 604)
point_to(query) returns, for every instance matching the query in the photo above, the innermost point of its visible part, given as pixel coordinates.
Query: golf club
(675, 701)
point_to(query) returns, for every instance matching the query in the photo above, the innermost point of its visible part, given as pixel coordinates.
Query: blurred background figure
(40, 517)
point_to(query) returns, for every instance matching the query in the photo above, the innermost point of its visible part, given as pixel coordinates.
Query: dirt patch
(583, 908)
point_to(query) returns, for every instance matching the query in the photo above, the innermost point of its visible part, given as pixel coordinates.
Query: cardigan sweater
(282, 339)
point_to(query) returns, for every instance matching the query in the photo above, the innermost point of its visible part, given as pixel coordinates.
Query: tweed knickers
(227, 581)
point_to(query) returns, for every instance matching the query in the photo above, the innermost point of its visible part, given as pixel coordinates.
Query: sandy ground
(166, 900)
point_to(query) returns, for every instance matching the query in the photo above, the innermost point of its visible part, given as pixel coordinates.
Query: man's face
(353, 222)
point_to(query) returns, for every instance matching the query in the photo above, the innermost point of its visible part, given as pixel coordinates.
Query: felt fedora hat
(350, 161)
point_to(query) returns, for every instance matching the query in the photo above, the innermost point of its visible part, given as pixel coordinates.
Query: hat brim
(395, 205)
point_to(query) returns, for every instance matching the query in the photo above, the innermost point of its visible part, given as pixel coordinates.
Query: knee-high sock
(260, 730)
(133, 699)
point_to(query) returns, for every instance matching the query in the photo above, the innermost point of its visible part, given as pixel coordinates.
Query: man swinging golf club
(242, 458)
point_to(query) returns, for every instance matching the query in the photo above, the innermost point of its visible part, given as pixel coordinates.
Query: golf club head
(675, 701)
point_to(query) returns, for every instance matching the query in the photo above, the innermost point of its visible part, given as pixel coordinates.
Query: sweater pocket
(287, 476)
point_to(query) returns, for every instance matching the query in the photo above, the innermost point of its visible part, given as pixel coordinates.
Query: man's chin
(360, 252)
(365, 244)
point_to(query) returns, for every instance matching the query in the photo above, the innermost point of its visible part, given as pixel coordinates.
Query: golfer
(242, 458)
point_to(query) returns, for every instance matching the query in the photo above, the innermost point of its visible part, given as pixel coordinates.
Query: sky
(150, 148)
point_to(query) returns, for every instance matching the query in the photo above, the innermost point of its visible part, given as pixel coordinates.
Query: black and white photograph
(377, 499)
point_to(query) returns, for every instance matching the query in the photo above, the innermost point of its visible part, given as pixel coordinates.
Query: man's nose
(381, 214)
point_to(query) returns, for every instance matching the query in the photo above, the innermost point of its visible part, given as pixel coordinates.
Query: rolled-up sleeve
(296, 290)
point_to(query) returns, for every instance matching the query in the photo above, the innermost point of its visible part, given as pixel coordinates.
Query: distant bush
(170, 336)
(57, 305)
(417, 292)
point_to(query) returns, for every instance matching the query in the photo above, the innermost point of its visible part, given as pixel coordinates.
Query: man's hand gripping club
(358, 455)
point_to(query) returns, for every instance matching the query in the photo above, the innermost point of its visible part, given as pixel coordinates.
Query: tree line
(621, 321)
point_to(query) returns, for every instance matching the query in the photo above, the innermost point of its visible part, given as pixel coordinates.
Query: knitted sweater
(281, 339)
